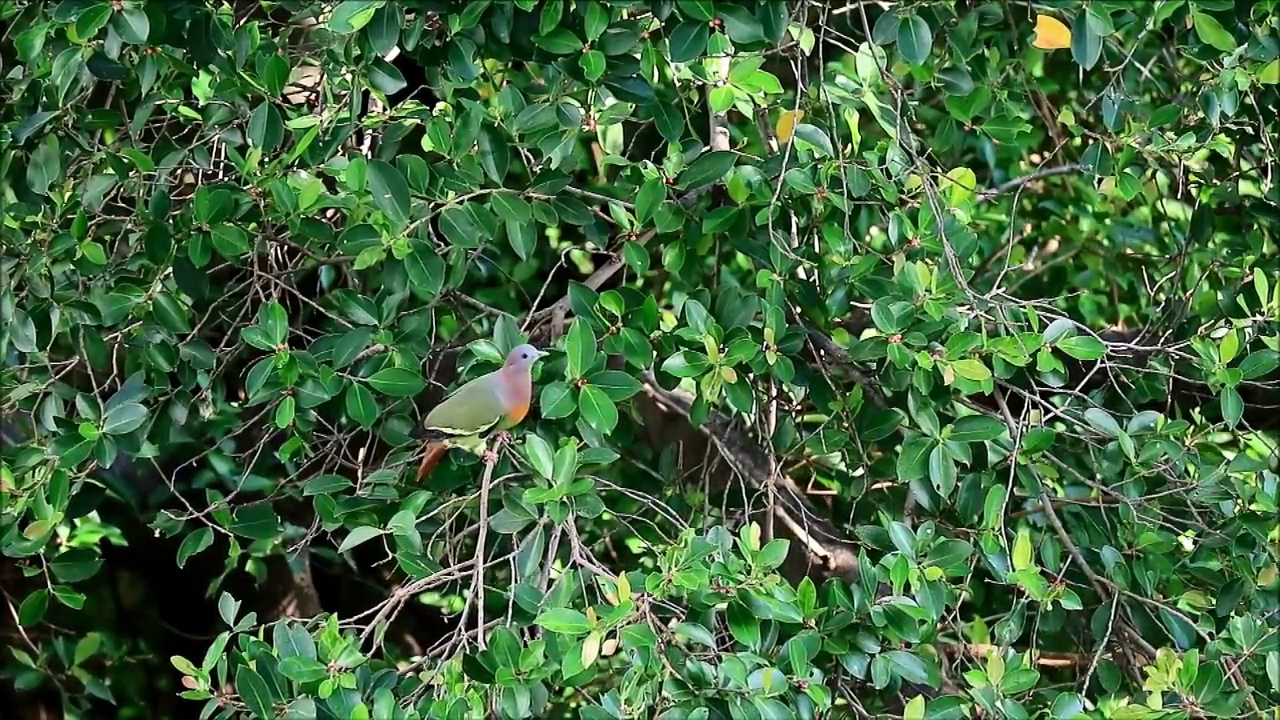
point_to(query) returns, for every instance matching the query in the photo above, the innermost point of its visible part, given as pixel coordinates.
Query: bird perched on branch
(497, 401)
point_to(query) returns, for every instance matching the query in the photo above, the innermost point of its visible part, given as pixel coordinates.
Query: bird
(495, 401)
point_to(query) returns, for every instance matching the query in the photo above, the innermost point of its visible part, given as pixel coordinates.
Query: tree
(915, 359)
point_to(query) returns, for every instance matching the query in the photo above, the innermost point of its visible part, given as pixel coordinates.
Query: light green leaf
(351, 15)
(566, 621)
(1082, 347)
(1211, 32)
(359, 536)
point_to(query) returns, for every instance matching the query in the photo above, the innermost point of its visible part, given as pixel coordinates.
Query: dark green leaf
(915, 39)
(397, 382)
(707, 169)
(390, 192)
(688, 41)
(253, 692)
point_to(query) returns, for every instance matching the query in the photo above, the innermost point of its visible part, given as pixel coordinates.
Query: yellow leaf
(914, 709)
(624, 587)
(1051, 33)
(1022, 550)
(1270, 75)
(591, 648)
(786, 126)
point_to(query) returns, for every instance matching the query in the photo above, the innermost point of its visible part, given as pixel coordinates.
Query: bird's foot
(490, 457)
(501, 438)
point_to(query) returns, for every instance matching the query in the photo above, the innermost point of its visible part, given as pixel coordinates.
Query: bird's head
(523, 356)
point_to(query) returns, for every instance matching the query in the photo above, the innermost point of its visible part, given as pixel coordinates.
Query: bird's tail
(434, 453)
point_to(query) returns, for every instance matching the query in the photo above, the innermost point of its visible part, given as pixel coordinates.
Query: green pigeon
(497, 401)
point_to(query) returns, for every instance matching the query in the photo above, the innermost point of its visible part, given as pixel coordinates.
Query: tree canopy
(907, 359)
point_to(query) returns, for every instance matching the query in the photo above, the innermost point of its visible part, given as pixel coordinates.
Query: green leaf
(740, 24)
(1086, 43)
(539, 454)
(1102, 421)
(596, 20)
(266, 127)
(703, 10)
(708, 169)
(1211, 32)
(511, 207)
(560, 41)
(557, 401)
(171, 314)
(1082, 347)
(76, 565)
(351, 15)
(286, 411)
(942, 471)
(360, 405)
(523, 238)
(773, 554)
(650, 196)
(915, 39)
(22, 332)
(908, 666)
(1259, 364)
(593, 65)
(384, 29)
(459, 227)
(385, 77)
(359, 536)
(597, 409)
(132, 25)
(124, 418)
(495, 154)
(44, 166)
(913, 459)
(397, 382)
(1232, 406)
(566, 621)
(303, 670)
(670, 121)
(768, 681)
(976, 428)
(616, 384)
(33, 608)
(253, 692)
(685, 363)
(688, 41)
(194, 543)
(390, 192)
(743, 624)
(580, 349)
(815, 137)
(230, 241)
(274, 321)
(971, 369)
(257, 522)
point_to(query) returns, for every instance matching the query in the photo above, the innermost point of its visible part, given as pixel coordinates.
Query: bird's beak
(542, 354)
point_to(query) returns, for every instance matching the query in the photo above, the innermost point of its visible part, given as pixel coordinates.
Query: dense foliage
(913, 359)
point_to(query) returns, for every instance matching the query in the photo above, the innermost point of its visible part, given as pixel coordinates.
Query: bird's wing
(473, 408)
